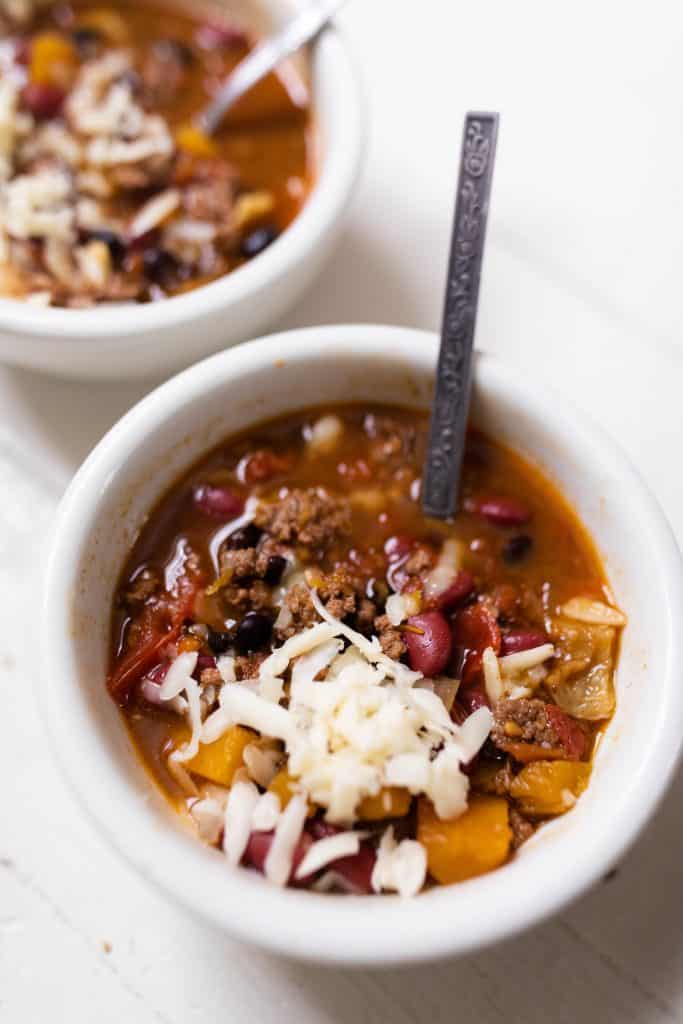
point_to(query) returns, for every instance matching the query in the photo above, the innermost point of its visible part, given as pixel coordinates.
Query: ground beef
(521, 828)
(313, 518)
(527, 722)
(390, 638)
(145, 584)
(298, 602)
(343, 595)
(247, 665)
(250, 585)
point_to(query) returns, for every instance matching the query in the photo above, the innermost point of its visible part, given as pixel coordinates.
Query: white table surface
(582, 287)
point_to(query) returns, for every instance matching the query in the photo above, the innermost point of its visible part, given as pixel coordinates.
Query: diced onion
(595, 612)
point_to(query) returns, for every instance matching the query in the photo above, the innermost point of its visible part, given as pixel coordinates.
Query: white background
(582, 288)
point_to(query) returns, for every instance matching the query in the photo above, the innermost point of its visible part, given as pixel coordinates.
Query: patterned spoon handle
(441, 478)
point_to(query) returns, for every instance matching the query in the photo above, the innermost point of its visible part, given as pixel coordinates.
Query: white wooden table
(584, 262)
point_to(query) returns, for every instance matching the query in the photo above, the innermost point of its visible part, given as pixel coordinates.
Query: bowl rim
(333, 68)
(289, 921)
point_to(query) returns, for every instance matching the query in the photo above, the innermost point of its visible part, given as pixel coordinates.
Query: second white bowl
(133, 340)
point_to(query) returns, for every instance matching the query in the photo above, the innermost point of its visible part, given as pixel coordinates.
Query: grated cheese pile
(355, 721)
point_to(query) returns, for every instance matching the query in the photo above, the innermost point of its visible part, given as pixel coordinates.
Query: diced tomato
(162, 625)
(570, 733)
(474, 629)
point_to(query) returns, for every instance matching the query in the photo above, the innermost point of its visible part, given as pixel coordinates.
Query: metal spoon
(265, 57)
(443, 464)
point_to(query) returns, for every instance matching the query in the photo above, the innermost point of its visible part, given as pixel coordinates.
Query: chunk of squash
(549, 787)
(285, 786)
(476, 842)
(54, 60)
(220, 760)
(390, 802)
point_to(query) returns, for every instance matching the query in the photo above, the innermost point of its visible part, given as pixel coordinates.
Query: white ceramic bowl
(153, 338)
(155, 442)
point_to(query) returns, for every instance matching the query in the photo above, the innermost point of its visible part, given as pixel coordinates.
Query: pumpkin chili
(342, 694)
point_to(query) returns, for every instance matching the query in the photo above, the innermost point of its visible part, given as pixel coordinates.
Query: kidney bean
(259, 844)
(220, 502)
(321, 829)
(461, 587)
(521, 640)
(216, 37)
(429, 651)
(569, 732)
(470, 698)
(499, 511)
(474, 629)
(357, 869)
(43, 101)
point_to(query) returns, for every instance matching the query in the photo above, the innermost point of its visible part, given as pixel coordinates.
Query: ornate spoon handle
(441, 478)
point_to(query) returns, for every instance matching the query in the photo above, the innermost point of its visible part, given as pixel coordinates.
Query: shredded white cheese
(400, 867)
(329, 849)
(266, 813)
(280, 856)
(356, 722)
(239, 811)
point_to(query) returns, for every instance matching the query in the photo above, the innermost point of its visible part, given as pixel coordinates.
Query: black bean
(219, 642)
(490, 752)
(160, 266)
(253, 632)
(517, 548)
(117, 249)
(246, 537)
(86, 41)
(257, 240)
(276, 567)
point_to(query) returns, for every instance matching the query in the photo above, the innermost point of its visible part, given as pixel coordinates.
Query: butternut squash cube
(218, 761)
(194, 141)
(390, 802)
(549, 787)
(476, 842)
(54, 60)
(285, 786)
